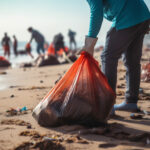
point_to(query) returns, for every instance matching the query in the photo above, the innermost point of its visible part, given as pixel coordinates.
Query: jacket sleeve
(96, 17)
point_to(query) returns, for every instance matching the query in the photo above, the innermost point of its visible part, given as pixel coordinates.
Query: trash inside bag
(82, 96)
(145, 74)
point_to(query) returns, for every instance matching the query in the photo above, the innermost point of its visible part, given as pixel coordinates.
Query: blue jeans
(127, 43)
(40, 46)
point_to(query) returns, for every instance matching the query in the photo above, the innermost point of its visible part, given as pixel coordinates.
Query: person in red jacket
(15, 45)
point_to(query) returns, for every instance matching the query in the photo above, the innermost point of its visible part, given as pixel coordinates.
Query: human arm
(33, 34)
(96, 19)
(31, 39)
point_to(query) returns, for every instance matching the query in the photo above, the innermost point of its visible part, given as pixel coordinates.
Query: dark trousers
(127, 42)
(40, 46)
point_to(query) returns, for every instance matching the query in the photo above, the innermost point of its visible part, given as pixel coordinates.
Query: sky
(48, 16)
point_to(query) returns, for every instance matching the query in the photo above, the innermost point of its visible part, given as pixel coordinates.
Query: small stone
(41, 81)
(12, 96)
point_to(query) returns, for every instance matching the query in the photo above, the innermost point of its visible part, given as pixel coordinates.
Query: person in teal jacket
(130, 22)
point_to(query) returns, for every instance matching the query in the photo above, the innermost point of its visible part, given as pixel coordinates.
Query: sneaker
(126, 107)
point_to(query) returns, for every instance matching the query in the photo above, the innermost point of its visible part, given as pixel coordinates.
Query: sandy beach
(26, 87)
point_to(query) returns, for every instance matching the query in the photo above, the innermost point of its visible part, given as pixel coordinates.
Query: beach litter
(48, 142)
(33, 134)
(18, 111)
(83, 96)
(40, 145)
(15, 122)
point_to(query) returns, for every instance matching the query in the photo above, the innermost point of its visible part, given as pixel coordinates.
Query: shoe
(126, 107)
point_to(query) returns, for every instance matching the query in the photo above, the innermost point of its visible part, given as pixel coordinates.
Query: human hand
(88, 46)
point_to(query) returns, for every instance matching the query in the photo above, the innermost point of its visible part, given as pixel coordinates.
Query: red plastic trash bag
(82, 96)
(28, 47)
(51, 50)
(61, 51)
(4, 62)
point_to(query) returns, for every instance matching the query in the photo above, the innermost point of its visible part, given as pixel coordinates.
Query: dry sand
(27, 87)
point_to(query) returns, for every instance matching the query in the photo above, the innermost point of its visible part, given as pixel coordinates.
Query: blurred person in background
(6, 42)
(39, 39)
(58, 43)
(71, 35)
(15, 45)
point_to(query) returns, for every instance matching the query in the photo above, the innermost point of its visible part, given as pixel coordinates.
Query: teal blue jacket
(123, 14)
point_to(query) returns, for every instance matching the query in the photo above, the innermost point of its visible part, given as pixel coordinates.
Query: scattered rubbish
(48, 138)
(23, 109)
(18, 111)
(11, 112)
(15, 122)
(76, 139)
(33, 134)
(40, 145)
